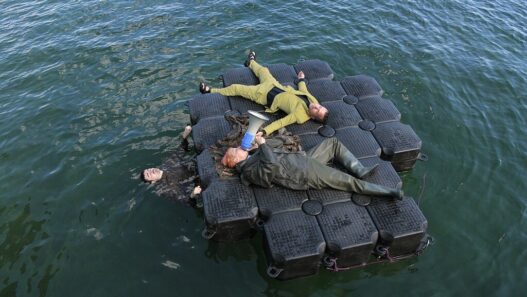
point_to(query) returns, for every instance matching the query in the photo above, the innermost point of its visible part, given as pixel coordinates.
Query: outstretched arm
(287, 120)
(303, 88)
(184, 141)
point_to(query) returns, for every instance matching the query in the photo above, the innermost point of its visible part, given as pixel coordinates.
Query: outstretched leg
(332, 148)
(257, 93)
(248, 92)
(263, 73)
(321, 176)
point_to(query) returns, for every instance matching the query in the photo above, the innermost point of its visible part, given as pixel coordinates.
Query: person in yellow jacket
(275, 96)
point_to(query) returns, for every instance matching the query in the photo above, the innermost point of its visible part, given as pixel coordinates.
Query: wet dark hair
(142, 177)
(325, 118)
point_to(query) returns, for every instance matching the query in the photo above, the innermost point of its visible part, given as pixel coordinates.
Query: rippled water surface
(91, 92)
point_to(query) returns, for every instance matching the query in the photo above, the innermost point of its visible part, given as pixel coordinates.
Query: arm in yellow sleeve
(303, 88)
(287, 120)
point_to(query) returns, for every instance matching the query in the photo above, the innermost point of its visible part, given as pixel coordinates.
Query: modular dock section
(305, 231)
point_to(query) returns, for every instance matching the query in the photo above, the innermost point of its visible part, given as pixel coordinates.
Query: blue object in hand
(247, 141)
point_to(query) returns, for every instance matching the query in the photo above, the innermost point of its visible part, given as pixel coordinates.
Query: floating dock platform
(305, 231)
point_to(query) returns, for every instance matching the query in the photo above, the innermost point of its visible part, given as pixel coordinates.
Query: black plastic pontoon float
(306, 230)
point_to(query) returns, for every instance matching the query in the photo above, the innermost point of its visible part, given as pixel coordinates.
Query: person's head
(318, 112)
(151, 175)
(233, 156)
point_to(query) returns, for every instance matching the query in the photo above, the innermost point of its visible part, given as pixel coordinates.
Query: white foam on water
(171, 265)
(95, 233)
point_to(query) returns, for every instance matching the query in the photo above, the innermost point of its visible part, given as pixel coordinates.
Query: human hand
(301, 75)
(196, 191)
(187, 131)
(259, 139)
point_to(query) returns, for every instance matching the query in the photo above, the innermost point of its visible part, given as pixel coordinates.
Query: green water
(91, 92)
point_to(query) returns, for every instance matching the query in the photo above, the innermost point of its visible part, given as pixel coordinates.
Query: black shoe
(250, 57)
(203, 88)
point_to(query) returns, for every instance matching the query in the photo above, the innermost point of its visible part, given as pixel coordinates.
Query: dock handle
(260, 223)
(425, 242)
(422, 157)
(207, 233)
(380, 251)
(273, 271)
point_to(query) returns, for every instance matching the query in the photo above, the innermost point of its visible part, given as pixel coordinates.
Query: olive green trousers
(257, 93)
(321, 176)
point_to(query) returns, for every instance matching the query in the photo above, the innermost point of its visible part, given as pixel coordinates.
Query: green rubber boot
(379, 190)
(355, 166)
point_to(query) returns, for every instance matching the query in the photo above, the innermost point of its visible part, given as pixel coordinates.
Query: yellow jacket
(288, 101)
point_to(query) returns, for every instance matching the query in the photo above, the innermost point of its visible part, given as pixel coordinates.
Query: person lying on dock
(275, 96)
(305, 170)
(175, 179)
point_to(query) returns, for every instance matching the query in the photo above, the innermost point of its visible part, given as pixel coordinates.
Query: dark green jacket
(268, 166)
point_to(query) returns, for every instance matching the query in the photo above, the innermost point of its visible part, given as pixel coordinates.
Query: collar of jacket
(240, 165)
